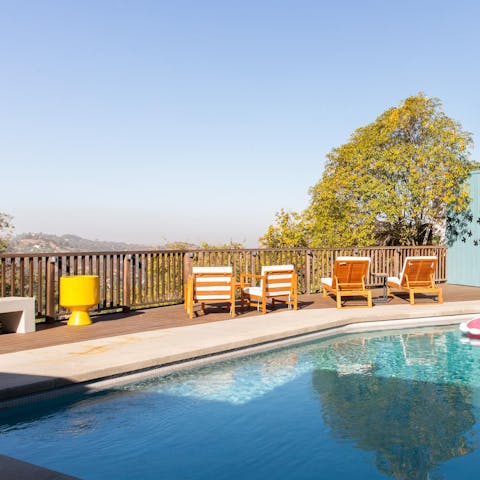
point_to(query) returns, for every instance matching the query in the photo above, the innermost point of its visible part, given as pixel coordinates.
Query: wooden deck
(174, 316)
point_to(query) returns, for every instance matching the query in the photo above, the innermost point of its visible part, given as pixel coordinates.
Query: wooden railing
(151, 278)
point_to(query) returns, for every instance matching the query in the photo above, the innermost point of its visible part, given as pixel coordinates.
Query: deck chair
(276, 282)
(210, 285)
(348, 279)
(417, 276)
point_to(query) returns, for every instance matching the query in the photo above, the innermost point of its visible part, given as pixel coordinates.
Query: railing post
(187, 270)
(127, 260)
(253, 259)
(308, 256)
(50, 290)
(396, 261)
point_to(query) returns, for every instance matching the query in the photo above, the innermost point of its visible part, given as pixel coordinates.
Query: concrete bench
(17, 314)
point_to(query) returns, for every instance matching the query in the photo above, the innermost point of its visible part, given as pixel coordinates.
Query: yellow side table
(79, 293)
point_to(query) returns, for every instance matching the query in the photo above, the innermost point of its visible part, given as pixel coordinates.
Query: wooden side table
(384, 299)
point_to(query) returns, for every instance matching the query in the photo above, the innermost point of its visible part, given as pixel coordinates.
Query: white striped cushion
(213, 279)
(276, 268)
(278, 285)
(212, 297)
(272, 279)
(279, 276)
(213, 288)
(210, 284)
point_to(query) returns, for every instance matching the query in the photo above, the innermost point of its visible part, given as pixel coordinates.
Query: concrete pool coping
(26, 373)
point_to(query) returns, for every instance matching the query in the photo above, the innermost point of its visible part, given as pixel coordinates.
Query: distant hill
(46, 243)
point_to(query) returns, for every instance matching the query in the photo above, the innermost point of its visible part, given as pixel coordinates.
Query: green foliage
(226, 246)
(5, 229)
(392, 183)
(289, 231)
(178, 246)
(203, 246)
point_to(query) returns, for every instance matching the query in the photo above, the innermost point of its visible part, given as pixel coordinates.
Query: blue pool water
(382, 405)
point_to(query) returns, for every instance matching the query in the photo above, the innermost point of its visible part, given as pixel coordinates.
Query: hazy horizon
(152, 121)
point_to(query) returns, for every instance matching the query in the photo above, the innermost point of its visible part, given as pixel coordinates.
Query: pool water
(398, 404)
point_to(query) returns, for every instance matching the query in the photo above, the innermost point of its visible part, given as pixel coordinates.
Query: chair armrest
(244, 276)
(252, 275)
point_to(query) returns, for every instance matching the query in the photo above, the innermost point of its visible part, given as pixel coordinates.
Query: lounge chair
(210, 285)
(276, 282)
(417, 276)
(348, 279)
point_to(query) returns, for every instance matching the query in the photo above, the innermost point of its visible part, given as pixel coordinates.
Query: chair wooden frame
(276, 282)
(348, 280)
(210, 285)
(417, 276)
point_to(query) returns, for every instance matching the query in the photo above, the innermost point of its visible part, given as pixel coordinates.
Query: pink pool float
(472, 330)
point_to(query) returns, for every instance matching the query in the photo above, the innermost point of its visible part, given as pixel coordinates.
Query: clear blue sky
(154, 121)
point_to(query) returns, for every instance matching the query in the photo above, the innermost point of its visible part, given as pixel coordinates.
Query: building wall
(463, 256)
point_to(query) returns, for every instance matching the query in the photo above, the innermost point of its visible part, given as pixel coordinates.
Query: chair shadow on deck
(222, 309)
(420, 298)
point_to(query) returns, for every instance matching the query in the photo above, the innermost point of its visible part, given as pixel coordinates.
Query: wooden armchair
(276, 282)
(210, 285)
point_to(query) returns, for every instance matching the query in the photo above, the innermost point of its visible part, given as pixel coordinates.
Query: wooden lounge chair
(417, 276)
(348, 279)
(276, 282)
(210, 285)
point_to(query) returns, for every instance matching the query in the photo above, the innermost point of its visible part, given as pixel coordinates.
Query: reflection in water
(407, 398)
(412, 425)
(235, 382)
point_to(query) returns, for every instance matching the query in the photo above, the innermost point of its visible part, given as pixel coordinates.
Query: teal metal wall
(463, 256)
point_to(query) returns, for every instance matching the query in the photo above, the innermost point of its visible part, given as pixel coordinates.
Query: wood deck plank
(103, 326)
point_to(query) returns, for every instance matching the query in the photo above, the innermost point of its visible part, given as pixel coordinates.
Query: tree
(395, 180)
(225, 246)
(178, 246)
(392, 183)
(5, 229)
(289, 231)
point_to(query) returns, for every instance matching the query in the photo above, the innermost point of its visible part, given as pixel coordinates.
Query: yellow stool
(78, 293)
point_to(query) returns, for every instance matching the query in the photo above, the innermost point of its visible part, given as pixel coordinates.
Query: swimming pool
(400, 404)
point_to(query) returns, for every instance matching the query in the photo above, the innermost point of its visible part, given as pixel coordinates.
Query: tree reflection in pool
(412, 427)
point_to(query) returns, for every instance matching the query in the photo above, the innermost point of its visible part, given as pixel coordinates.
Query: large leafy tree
(394, 181)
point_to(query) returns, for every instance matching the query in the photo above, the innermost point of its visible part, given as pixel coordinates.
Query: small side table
(384, 299)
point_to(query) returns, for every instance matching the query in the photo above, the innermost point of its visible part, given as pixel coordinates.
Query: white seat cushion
(393, 280)
(257, 291)
(327, 281)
